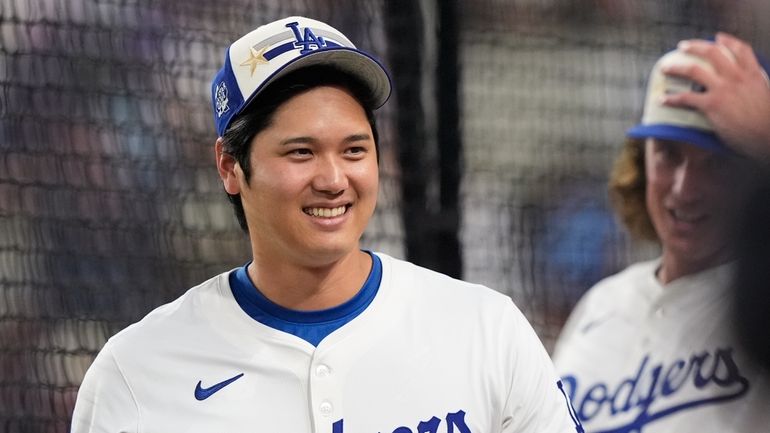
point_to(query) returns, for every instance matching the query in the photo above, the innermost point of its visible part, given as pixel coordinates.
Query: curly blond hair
(628, 188)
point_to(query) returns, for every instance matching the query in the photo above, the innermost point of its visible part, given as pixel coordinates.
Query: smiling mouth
(687, 217)
(325, 212)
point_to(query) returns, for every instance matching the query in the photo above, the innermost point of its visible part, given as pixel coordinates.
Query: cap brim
(356, 63)
(703, 139)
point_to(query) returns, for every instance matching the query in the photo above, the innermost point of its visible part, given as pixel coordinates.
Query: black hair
(237, 139)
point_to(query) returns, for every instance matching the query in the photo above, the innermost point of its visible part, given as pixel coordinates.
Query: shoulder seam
(108, 348)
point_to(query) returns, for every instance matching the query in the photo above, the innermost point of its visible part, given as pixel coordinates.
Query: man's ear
(229, 170)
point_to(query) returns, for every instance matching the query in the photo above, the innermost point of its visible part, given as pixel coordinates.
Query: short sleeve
(536, 402)
(105, 403)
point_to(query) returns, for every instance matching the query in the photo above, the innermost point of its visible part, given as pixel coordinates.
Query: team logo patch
(221, 99)
(306, 40)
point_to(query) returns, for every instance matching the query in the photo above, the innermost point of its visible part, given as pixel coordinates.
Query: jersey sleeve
(105, 403)
(536, 402)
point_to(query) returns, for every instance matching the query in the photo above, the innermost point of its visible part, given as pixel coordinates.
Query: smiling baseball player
(314, 334)
(651, 349)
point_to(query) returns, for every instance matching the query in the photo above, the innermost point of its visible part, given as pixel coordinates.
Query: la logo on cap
(308, 41)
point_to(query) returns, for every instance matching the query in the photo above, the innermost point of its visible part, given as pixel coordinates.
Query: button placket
(324, 391)
(322, 371)
(326, 408)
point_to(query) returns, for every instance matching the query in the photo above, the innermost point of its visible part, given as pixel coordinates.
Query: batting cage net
(495, 149)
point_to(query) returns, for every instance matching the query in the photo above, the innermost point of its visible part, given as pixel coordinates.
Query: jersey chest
(387, 382)
(657, 367)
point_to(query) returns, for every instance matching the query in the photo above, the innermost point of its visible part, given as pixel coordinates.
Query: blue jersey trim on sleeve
(311, 326)
(570, 408)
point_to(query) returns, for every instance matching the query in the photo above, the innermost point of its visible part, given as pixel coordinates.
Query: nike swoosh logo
(204, 393)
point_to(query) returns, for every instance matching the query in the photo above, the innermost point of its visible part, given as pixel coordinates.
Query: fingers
(745, 54)
(732, 59)
(693, 72)
(693, 100)
(742, 51)
(721, 58)
(728, 54)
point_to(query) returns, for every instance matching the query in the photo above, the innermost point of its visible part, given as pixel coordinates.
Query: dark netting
(110, 203)
(549, 87)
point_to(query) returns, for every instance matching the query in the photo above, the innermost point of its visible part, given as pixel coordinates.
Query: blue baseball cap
(273, 50)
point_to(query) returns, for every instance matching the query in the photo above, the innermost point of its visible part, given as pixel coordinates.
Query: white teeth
(323, 212)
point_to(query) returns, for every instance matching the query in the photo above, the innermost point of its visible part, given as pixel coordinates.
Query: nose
(689, 182)
(330, 176)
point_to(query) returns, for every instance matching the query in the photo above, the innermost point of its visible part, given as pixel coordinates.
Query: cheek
(279, 181)
(366, 178)
(654, 195)
(373, 175)
(659, 182)
(373, 185)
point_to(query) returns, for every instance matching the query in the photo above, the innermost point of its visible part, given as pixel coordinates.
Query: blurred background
(496, 146)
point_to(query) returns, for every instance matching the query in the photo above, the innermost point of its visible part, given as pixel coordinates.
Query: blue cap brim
(702, 139)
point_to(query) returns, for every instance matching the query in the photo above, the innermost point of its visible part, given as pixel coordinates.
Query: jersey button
(322, 371)
(326, 408)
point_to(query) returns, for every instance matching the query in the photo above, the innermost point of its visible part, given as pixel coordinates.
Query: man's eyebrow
(298, 140)
(358, 137)
(309, 140)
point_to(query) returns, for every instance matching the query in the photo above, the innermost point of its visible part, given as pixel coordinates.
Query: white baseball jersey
(429, 354)
(640, 357)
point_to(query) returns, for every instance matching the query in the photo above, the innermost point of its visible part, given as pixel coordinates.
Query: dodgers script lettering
(656, 391)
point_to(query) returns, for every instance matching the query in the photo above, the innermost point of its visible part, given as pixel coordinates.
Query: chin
(326, 254)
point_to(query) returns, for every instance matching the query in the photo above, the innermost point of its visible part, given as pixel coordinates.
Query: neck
(673, 266)
(305, 287)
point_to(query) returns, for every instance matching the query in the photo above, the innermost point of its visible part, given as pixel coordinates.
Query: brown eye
(356, 152)
(301, 152)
